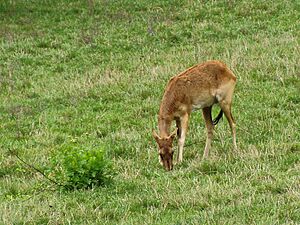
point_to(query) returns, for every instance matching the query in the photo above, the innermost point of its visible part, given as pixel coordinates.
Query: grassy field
(92, 73)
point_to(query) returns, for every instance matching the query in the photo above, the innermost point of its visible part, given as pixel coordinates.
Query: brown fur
(199, 87)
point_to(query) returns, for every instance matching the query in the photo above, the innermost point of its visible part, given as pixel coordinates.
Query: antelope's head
(165, 150)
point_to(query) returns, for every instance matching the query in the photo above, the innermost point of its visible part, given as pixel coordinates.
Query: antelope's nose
(169, 168)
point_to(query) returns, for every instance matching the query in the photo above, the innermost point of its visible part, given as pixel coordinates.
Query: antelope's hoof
(179, 161)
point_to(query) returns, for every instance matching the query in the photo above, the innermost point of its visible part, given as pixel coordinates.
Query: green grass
(92, 73)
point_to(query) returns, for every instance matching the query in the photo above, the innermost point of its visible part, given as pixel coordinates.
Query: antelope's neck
(164, 127)
(166, 110)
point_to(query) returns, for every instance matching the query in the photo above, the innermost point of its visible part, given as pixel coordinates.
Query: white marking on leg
(180, 148)
(207, 147)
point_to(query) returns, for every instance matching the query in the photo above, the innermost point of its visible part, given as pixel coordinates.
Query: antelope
(199, 87)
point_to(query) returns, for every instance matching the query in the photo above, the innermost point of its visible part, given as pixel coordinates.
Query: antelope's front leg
(184, 126)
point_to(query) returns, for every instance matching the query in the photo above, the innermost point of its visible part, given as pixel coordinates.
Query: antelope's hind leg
(209, 128)
(226, 107)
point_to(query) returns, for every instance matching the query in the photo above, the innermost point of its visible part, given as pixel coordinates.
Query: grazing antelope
(199, 87)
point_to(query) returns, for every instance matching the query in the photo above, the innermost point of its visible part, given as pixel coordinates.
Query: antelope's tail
(216, 120)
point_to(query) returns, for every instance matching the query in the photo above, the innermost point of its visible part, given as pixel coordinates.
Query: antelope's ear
(156, 137)
(173, 134)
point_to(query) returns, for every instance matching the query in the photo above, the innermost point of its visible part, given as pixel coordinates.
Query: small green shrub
(76, 168)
